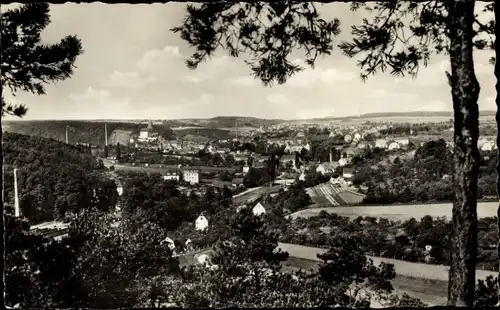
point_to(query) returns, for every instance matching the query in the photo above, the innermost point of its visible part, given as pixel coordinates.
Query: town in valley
(153, 175)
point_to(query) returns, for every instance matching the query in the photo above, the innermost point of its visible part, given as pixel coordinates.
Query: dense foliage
(399, 240)
(27, 64)
(244, 271)
(423, 176)
(54, 178)
(149, 198)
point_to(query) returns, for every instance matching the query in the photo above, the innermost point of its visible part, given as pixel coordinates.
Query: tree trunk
(2, 229)
(465, 93)
(497, 118)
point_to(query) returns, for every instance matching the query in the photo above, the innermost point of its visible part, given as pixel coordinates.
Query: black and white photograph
(279, 154)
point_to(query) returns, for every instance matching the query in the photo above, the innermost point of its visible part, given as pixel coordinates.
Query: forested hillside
(79, 131)
(53, 178)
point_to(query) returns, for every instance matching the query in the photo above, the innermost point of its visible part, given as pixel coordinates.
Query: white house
(191, 176)
(325, 168)
(343, 162)
(488, 146)
(170, 243)
(171, 176)
(348, 138)
(188, 245)
(203, 259)
(258, 209)
(143, 134)
(307, 146)
(302, 176)
(393, 146)
(119, 189)
(201, 223)
(246, 168)
(381, 143)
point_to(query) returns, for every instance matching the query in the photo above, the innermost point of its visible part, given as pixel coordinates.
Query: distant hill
(230, 121)
(53, 177)
(92, 131)
(82, 131)
(402, 114)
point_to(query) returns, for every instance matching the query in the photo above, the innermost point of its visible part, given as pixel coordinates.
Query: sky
(133, 68)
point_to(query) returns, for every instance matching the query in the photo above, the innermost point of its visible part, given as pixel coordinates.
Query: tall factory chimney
(105, 134)
(67, 136)
(16, 195)
(236, 129)
(331, 156)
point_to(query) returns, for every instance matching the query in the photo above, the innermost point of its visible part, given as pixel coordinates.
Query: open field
(329, 194)
(403, 268)
(325, 193)
(432, 292)
(349, 197)
(400, 212)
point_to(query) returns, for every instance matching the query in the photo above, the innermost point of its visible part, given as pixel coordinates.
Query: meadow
(400, 212)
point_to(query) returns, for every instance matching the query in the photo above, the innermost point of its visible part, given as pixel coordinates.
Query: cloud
(245, 80)
(120, 79)
(100, 101)
(310, 77)
(154, 59)
(278, 99)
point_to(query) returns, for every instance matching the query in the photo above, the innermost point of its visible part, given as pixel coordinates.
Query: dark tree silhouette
(269, 32)
(26, 65)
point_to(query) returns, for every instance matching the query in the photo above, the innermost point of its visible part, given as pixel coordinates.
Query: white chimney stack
(67, 137)
(105, 134)
(16, 195)
(331, 156)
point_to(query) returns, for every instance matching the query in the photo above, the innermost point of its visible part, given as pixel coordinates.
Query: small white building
(143, 134)
(343, 162)
(246, 168)
(348, 138)
(302, 176)
(357, 136)
(381, 143)
(393, 146)
(170, 243)
(488, 146)
(191, 176)
(119, 189)
(328, 167)
(258, 209)
(201, 223)
(203, 259)
(171, 176)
